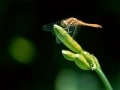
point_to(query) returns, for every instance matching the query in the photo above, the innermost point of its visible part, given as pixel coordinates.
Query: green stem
(103, 78)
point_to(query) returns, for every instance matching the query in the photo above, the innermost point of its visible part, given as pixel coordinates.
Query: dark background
(24, 19)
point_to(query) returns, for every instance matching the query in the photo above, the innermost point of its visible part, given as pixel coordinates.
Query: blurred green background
(30, 59)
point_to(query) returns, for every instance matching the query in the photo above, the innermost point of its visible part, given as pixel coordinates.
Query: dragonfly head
(64, 23)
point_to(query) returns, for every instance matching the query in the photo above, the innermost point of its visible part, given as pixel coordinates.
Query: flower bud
(68, 55)
(66, 39)
(91, 60)
(79, 59)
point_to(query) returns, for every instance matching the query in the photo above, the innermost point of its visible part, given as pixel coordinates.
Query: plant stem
(103, 78)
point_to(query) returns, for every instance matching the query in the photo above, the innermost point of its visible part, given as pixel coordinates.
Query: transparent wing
(74, 30)
(71, 29)
(49, 27)
(58, 41)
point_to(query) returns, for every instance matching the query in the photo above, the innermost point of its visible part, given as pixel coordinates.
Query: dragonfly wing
(49, 27)
(58, 41)
(76, 31)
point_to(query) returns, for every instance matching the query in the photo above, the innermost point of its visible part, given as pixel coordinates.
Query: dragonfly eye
(64, 24)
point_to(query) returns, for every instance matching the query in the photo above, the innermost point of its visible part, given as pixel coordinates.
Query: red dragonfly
(71, 25)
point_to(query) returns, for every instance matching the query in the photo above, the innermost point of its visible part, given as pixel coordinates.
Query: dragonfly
(71, 25)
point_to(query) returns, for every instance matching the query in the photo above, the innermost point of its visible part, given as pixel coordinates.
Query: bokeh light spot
(22, 50)
(66, 80)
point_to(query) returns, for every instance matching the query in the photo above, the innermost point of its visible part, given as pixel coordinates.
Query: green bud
(68, 55)
(81, 62)
(66, 39)
(79, 59)
(96, 61)
(92, 60)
